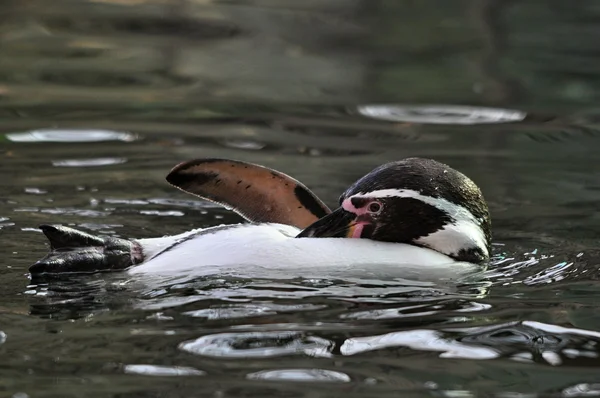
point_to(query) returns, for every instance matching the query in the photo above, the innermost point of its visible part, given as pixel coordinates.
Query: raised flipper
(76, 251)
(257, 193)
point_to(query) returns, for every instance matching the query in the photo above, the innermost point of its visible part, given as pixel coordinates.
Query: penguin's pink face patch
(365, 209)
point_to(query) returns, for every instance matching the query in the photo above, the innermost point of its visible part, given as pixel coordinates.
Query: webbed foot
(77, 251)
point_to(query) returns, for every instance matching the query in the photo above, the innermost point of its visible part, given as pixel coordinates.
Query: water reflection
(35, 191)
(156, 370)
(246, 310)
(167, 213)
(74, 296)
(525, 341)
(582, 390)
(168, 202)
(66, 136)
(300, 375)
(441, 114)
(105, 228)
(92, 83)
(4, 223)
(88, 162)
(257, 345)
(427, 340)
(69, 211)
(419, 310)
(247, 145)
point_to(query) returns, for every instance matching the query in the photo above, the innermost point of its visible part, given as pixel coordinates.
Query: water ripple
(418, 310)
(97, 162)
(300, 375)
(192, 204)
(525, 341)
(156, 370)
(582, 390)
(71, 135)
(441, 114)
(418, 339)
(74, 212)
(168, 213)
(35, 191)
(249, 310)
(244, 144)
(99, 226)
(257, 345)
(550, 274)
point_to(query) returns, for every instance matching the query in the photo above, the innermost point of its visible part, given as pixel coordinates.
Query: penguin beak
(339, 224)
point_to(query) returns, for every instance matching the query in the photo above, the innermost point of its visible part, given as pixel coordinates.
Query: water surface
(99, 99)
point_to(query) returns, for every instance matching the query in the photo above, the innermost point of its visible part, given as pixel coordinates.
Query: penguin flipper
(257, 193)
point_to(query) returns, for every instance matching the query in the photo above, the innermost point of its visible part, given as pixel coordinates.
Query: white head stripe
(457, 212)
(451, 238)
(454, 237)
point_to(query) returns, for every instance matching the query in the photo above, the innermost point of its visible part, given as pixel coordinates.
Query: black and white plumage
(414, 213)
(420, 202)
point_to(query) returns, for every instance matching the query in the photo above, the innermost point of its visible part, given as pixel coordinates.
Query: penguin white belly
(270, 250)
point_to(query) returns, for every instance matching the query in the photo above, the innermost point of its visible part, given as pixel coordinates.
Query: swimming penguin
(414, 213)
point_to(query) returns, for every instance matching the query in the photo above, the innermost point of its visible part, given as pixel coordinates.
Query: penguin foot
(80, 252)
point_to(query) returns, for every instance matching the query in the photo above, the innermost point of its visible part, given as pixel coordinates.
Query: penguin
(414, 213)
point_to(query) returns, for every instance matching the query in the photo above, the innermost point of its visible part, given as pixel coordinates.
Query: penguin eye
(374, 207)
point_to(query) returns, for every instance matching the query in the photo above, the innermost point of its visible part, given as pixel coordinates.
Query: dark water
(99, 99)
